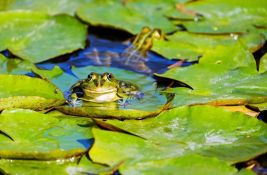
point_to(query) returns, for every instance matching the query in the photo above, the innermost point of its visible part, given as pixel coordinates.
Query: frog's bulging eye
(109, 76)
(90, 76)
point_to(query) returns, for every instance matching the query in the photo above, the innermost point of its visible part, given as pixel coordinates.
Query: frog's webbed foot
(124, 102)
(75, 103)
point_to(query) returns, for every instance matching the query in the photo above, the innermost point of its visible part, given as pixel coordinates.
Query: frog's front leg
(74, 100)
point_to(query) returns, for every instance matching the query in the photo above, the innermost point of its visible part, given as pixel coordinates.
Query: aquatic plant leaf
(49, 6)
(223, 76)
(36, 37)
(192, 164)
(20, 91)
(42, 136)
(64, 167)
(206, 130)
(227, 16)
(263, 63)
(190, 46)
(135, 14)
(18, 67)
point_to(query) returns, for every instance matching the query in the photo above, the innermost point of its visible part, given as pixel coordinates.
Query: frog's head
(99, 84)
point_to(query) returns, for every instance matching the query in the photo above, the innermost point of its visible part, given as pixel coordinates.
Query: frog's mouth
(100, 91)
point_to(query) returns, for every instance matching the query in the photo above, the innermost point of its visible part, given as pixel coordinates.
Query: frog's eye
(109, 76)
(90, 76)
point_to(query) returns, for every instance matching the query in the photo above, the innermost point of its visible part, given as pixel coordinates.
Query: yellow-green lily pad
(192, 164)
(204, 130)
(42, 136)
(20, 91)
(190, 46)
(226, 16)
(36, 36)
(131, 16)
(224, 76)
(49, 6)
(20, 67)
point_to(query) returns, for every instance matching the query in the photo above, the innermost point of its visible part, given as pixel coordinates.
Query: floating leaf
(192, 164)
(49, 6)
(17, 66)
(182, 131)
(19, 91)
(37, 37)
(226, 16)
(222, 77)
(42, 136)
(138, 13)
(63, 167)
(190, 46)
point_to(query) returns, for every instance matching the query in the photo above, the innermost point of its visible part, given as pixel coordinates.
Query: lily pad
(222, 77)
(19, 91)
(263, 63)
(226, 16)
(150, 105)
(135, 14)
(42, 136)
(191, 46)
(36, 36)
(179, 132)
(49, 6)
(192, 164)
(18, 67)
(63, 167)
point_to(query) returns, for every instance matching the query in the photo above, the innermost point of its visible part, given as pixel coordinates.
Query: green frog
(102, 88)
(133, 57)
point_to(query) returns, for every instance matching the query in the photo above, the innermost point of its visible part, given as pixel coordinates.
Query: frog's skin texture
(102, 88)
(135, 56)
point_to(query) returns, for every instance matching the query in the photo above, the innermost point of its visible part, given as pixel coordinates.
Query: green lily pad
(63, 167)
(179, 132)
(223, 77)
(226, 16)
(263, 63)
(150, 105)
(42, 136)
(192, 164)
(49, 6)
(18, 67)
(36, 36)
(19, 91)
(191, 46)
(132, 16)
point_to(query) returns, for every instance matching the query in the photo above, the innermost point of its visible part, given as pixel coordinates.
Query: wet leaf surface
(99, 14)
(42, 136)
(191, 46)
(223, 77)
(48, 6)
(28, 92)
(64, 167)
(192, 164)
(227, 16)
(36, 36)
(182, 131)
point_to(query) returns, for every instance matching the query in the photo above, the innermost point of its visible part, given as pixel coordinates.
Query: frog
(133, 57)
(103, 88)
